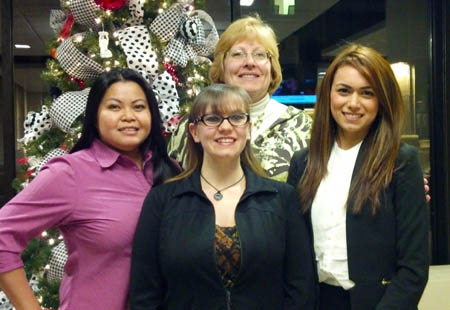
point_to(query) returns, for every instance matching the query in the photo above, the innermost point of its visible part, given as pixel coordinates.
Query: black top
(388, 254)
(173, 259)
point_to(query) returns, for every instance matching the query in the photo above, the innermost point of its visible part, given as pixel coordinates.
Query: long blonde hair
(382, 141)
(221, 98)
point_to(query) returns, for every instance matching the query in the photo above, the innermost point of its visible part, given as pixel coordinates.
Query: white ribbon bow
(35, 124)
(136, 44)
(185, 34)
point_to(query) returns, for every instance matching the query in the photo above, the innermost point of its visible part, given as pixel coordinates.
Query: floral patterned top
(228, 254)
(273, 143)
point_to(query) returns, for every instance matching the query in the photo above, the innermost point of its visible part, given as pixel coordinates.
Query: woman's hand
(15, 285)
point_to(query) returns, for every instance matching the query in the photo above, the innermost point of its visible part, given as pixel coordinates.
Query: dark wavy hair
(163, 167)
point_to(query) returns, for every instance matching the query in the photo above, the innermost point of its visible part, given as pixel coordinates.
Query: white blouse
(328, 215)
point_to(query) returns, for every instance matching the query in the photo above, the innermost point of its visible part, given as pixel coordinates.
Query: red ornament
(171, 70)
(29, 172)
(80, 83)
(66, 28)
(53, 52)
(23, 161)
(64, 147)
(174, 120)
(111, 5)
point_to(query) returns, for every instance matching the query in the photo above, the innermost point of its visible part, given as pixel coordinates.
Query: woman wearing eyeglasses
(221, 236)
(247, 56)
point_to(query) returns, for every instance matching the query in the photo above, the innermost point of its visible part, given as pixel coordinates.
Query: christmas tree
(166, 41)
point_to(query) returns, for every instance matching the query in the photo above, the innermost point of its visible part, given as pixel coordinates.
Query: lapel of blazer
(360, 158)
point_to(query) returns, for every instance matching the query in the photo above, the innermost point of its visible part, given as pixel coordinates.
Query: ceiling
(31, 26)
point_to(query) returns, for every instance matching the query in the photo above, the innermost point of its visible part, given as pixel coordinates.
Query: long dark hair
(163, 166)
(382, 140)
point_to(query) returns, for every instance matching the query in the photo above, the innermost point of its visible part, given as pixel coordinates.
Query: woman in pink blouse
(93, 195)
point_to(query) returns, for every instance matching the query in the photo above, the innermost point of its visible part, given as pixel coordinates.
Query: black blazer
(174, 264)
(388, 254)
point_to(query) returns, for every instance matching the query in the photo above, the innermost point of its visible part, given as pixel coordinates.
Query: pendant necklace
(218, 195)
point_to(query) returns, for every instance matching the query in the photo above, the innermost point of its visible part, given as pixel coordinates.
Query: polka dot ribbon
(136, 44)
(136, 9)
(185, 34)
(35, 124)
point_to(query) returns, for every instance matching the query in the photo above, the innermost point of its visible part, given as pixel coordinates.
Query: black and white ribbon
(53, 153)
(136, 44)
(168, 103)
(185, 34)
(136, 9)
(57, 261)
(67, 108)
(74, 62)
(35, 124)
(84, 12)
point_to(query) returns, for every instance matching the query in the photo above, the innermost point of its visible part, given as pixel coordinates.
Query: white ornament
(103, 40)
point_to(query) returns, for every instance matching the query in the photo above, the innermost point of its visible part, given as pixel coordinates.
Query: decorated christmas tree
(166, 41)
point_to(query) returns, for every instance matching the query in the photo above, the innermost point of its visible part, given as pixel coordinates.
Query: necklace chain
(218, 195)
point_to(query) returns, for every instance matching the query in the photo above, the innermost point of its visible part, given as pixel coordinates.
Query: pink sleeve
(46, 202)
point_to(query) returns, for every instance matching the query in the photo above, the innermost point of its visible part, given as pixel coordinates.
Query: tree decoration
(171, 70)
(111, 5)
(103, 40)
(186, 2)
(85, 30)
(84, 12)
(136, 8)
(57, 20)
(36, 123)
(67, 108)
(67, 28)
(53, 52)
(184, 33)
(79, 82)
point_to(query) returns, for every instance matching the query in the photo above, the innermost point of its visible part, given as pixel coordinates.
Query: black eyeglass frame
(201, 119)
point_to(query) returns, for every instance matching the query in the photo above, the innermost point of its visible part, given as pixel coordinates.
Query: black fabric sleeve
(147, 287)
(299, 277)
(412, 222)
(297, 167)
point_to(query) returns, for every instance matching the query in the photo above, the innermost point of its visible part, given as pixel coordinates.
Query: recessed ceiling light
(246, 2)
(22, 46)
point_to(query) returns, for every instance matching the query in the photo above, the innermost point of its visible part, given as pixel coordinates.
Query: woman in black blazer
(362, 190)
(221, 236)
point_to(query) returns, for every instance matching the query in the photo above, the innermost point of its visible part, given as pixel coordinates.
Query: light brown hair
(250, 28)
(222, 99)
(382, 140)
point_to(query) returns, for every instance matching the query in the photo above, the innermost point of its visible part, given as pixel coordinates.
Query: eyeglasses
(260, 57)
(213, 120)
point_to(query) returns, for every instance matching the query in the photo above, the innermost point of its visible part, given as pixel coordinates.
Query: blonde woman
(247, 56)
